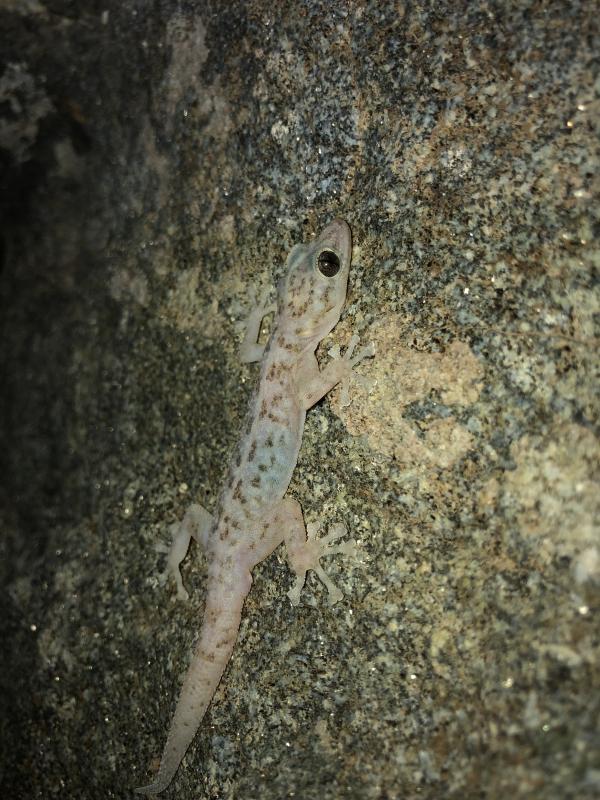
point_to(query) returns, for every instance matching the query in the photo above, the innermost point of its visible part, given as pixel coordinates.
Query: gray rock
(158, 162)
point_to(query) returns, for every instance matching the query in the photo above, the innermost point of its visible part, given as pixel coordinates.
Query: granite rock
(158, 161)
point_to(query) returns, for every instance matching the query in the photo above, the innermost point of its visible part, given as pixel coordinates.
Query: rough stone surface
(158, 161)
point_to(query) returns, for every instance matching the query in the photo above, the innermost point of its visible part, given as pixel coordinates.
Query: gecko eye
(328, 263)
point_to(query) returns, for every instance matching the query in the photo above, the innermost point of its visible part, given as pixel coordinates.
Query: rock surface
(158, 162)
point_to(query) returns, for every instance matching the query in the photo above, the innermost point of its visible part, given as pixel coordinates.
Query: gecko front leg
(250, 349)
(316, 383)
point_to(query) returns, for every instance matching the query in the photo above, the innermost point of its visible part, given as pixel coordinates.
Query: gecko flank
(253, 515)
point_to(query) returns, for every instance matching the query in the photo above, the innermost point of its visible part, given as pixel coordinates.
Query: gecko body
(253, 515)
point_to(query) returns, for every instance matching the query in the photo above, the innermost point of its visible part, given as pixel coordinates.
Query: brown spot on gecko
(255, 481)
(262, 467)
(207, 656)
(224, 534)
(238, 491)
(275, 371)
(252, 450)
(263, 409)
(269, 441)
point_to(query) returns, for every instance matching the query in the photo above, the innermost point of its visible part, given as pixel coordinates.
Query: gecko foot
(366, 352)
(349, 360)
(307, 556)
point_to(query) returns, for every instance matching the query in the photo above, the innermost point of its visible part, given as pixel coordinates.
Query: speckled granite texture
(158, 160)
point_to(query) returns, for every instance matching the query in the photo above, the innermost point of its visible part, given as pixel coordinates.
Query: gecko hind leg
(308, 555)
(305, 549)
(196, 523)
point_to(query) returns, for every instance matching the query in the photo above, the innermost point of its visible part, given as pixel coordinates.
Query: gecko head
(313, 291)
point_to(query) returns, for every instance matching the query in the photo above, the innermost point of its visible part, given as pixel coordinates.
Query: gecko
(253, 513)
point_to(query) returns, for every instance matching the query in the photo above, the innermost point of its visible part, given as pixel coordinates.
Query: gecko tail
(209, 660)
(153, 788)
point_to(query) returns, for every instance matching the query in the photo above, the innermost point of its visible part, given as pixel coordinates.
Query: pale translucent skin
(253, 515)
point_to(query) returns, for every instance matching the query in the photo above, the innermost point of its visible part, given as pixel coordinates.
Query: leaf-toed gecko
(253, 515)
